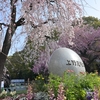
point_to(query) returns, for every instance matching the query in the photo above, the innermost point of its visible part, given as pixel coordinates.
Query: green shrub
(39, 84)
(75, 86)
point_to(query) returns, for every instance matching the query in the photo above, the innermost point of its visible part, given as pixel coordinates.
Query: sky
(91, 8)
(18, 42)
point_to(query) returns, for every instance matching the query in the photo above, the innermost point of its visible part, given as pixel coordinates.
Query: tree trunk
(7, 41)
(8, 37)
(5, 50)
(2, 62)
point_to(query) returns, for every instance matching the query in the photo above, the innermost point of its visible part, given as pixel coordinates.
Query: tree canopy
(92, 21)
(18, 69)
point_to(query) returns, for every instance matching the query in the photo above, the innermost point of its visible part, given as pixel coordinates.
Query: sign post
(2, 84)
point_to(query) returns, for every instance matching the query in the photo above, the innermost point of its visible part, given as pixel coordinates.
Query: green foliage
(75, 86)
(55, 34)
(3, 94)
(39, 84)
(17, 67)
(92, 21)
(54, 82)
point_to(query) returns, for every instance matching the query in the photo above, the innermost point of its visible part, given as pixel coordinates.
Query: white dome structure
(64, 59)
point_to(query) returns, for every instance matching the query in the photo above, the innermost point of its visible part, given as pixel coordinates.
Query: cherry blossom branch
(44, 22)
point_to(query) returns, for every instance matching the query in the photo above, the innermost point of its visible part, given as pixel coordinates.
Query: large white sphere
(64, 59)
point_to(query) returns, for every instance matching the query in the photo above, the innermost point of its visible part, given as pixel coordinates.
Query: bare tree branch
(4, 24)
(20, 22)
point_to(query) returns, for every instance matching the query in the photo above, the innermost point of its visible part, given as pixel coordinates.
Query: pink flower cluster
(60, 95)
(29, 95)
